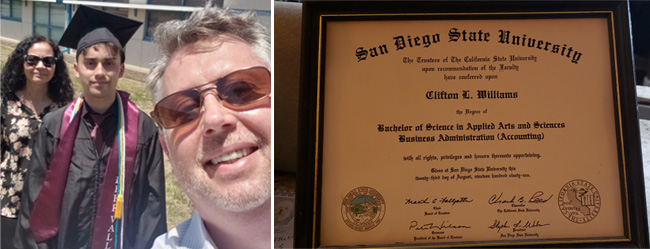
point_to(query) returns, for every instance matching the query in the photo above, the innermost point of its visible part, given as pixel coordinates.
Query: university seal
(363, 208)
(579, 201)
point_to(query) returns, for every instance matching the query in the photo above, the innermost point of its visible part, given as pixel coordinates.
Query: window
(112, 1)
(155, 17)
(12, 10)
(196, 3)
(115, 11)
(49, 20)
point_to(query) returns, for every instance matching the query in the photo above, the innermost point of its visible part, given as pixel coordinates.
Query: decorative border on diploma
(316, 16)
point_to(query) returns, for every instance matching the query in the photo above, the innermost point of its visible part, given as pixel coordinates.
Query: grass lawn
(179, 208)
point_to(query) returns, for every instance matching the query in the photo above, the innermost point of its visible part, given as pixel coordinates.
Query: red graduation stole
(45, 215)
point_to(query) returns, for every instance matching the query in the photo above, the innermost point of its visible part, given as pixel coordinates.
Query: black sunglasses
(33, 60)
(238, 90)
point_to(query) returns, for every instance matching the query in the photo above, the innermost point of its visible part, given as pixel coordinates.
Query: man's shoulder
(52, 120)
(56, 114)
(145, 117)
(147, 127)
(174, 237)
(189, 234)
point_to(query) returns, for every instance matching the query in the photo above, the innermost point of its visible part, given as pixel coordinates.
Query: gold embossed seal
(579, 201)
(363, 208)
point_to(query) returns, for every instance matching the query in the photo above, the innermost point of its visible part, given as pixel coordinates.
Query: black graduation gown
(147, 216)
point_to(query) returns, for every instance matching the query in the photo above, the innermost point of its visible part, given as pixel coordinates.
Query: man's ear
(161, 137)
(76, 70)
(122, 70)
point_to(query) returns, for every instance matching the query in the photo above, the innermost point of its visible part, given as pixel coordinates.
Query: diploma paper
(469, 131)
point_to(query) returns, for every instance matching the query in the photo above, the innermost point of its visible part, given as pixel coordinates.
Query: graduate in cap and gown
(96, 176)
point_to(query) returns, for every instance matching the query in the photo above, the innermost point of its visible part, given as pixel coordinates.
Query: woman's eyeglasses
(238, 90)
(33, 60)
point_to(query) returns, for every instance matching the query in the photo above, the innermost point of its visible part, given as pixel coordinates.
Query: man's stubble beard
(241, 196)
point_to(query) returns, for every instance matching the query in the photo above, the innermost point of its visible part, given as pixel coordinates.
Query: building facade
(21, 18)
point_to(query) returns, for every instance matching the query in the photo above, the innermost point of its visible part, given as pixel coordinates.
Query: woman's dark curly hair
(59, 89)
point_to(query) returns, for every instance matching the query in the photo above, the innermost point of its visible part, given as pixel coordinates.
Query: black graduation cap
(90, 26)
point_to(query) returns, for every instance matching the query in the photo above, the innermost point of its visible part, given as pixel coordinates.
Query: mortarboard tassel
(118, 207)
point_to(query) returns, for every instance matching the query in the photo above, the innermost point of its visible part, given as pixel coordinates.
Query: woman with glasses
(34, 82)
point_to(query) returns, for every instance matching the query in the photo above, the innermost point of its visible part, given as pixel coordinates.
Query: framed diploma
(469, 124)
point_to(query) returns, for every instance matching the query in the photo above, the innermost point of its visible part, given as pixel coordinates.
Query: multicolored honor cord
(77, 106)
(119, 203)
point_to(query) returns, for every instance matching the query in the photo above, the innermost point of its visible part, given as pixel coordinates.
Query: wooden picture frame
(469, 124)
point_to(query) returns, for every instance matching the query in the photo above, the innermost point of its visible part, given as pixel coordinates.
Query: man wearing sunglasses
(96, 177)
(212, 93)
